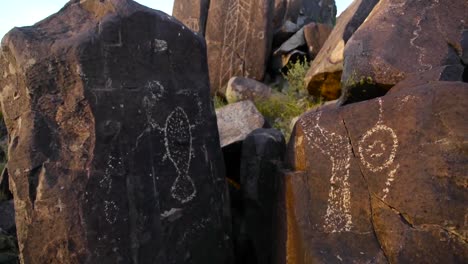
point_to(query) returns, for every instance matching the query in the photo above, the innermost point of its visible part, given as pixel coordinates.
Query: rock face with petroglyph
(191, 13)
(114, 154)
(400, 38)
(323, 78)
(238, 40)
(382, 180)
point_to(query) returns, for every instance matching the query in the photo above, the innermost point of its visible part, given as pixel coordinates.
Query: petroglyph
(417, 32)
(377, 150)
(337, 148)
(111, 211)
(160, 45)
(192, 23)
(236, 30)
(178, 142)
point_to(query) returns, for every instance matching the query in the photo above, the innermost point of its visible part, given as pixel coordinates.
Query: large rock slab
(401, 38)
(114, 154)
(385, 177)
(236, 121)
(238, 40)
(262, 159)
(316, 34)
(192, 13)
(324, 76)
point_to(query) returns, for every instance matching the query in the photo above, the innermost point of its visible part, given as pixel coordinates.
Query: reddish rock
(238, 40)
(382, 180)
(400, 38)
(315, 35)
(324, 77)
(192, 13)
(114, 155)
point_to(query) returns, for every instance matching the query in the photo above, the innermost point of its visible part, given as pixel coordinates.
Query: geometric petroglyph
(338, 149)
(178, 142)
(377, 150)
(192, 23)
(236, 31)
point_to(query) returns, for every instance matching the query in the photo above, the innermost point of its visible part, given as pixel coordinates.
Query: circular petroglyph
(377, 148)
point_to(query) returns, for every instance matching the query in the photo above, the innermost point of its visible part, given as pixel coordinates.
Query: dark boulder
(382, 180)
(324, 76)
(114, 154)
(262, 160)
(402, 38)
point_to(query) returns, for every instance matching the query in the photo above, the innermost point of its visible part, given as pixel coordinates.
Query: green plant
(282, 107)
(218, 102)
(296, 71)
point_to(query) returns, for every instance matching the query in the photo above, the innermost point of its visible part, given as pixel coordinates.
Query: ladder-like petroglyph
(178, 142)
(338, 150)
(378, 148)
(234, 45)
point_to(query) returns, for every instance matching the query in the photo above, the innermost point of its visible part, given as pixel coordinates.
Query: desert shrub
(218, 102)
(291, 101)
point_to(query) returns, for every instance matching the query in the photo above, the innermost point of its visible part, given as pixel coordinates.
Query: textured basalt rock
(382, 180)
(192, 13)
(236, 121)
(262, 159)
(316, 34)
(401, 38)
(238, 37)
(113, 154)
(239, 89)
(324, 77)
(302, 12)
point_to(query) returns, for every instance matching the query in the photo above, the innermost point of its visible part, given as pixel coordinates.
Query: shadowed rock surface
(191, 13)
(302, 12)
(382, 180)
(238, 37)
(114, 155)
(401, 38)
(323, 78)
(262, 159)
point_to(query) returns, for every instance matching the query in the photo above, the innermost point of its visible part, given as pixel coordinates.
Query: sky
(17, 13)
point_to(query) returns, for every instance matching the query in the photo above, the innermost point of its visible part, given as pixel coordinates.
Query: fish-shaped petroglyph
(178, 142)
